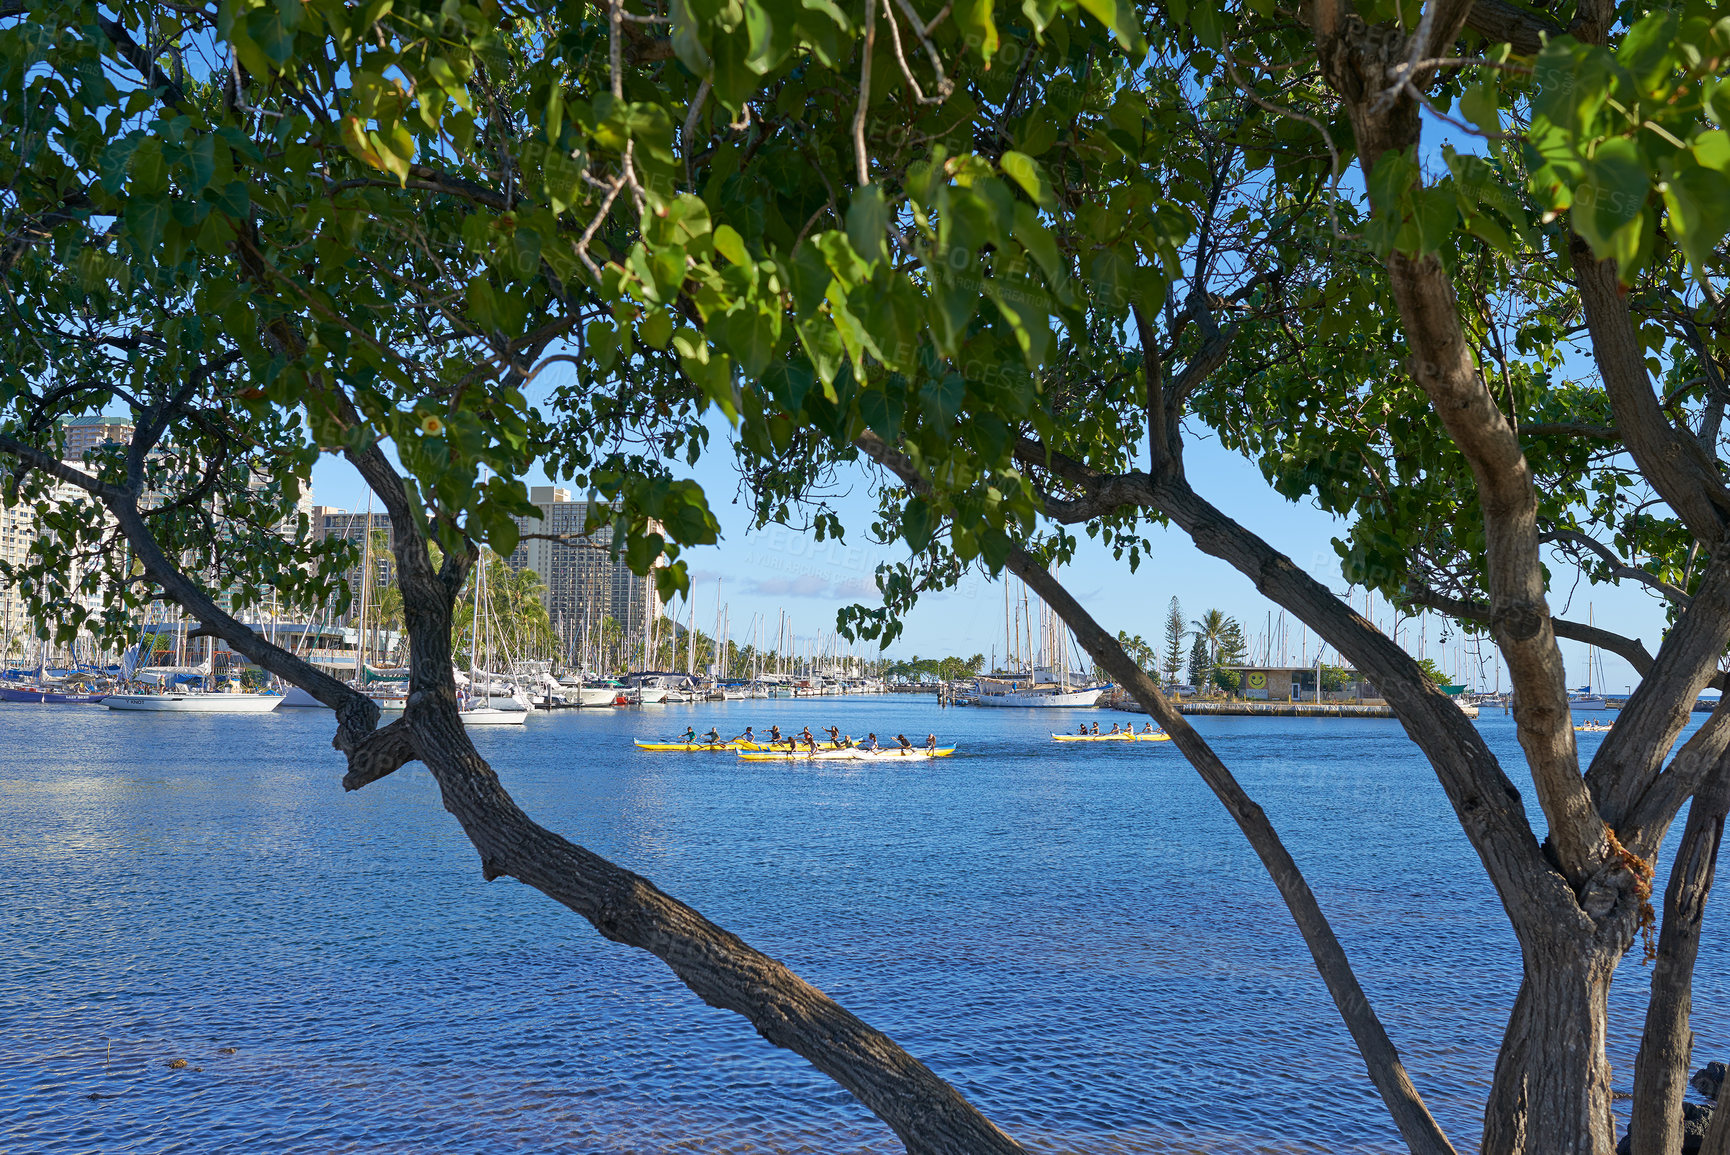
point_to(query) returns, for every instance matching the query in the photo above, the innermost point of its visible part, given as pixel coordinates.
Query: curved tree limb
(1381, 1058)
(1618, 569)
(1422, 1134)
(1678, 468)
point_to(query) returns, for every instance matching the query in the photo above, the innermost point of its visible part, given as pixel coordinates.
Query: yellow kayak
(828, 753)
(693, 747)
(1123, 736)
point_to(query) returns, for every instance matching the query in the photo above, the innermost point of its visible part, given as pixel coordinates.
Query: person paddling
(1082, 730)
(747, 736)
(1147, 728)
(905, 744)
(931, 745)
(713, 737)
(1096, 729)
(1116, 728)
(835, 737)
(775, 737)
(689, 737)
(871, 743)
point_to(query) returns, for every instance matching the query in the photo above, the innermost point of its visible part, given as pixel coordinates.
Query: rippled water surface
(1076, 936)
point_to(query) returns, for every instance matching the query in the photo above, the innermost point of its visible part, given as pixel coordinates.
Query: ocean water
(1075, 935)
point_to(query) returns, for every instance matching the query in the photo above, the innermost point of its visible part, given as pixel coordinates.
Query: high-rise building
(86, 433)
(327, 522)
(583, 585)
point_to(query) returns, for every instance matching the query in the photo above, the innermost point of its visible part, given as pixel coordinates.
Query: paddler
(747, 736)
(689, 737)
(1096, 729)
(905, 744)
(835, 737)
(775, 737)
(713, 737)
(810, 742)
(931, 744)
(1116, 728)
(1147, 728)
(871, 743)
(1081, 731)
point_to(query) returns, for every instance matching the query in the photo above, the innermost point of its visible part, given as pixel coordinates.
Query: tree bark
(1550, 1094)
(1661, 1067)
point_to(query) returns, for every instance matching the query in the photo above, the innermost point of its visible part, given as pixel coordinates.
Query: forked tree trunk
(1551, 1091)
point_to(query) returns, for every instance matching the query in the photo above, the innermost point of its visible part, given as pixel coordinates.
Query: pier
(1288, 709)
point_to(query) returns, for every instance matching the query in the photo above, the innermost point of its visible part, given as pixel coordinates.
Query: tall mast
(365, 581)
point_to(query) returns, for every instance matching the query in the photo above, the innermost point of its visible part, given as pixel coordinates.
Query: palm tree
(1211, 628)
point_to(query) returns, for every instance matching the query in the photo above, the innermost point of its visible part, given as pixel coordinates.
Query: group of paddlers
(775, 739)
(1116, 728)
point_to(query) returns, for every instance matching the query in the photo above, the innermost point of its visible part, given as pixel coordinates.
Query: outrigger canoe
(828, 753)
(1121, 736)
(695, 747)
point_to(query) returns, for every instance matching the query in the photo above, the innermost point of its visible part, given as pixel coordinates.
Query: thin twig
(861, 157)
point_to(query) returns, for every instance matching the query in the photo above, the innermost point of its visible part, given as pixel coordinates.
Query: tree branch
(1684, 476)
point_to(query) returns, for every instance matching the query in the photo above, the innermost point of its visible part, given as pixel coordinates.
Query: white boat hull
(597, 696)
(487, 716)
(1061, 699)
(295, 698)
(650, 695)
(194, 703)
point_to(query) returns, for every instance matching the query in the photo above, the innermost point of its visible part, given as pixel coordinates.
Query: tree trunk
(925, 1112)
(1661, 1068)
(1551, 1091)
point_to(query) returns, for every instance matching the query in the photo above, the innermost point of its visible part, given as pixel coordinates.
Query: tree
(1232, 650)
(1479, 287)
(1432, 671)
(1200, 664)
(1139, 651)
(1172, 664)
(354, 228)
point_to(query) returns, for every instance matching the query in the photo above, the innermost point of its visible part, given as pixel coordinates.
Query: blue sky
(762, 574)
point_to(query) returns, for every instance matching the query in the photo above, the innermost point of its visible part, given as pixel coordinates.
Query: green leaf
(1612, 192)
(731, 245)
(868, 223)
(917, 524)
(978, 28)
(687, 38)
(1025, 171)
(1698, 200)
(941, 399)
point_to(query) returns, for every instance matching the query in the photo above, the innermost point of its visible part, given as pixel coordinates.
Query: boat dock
(1287, 709)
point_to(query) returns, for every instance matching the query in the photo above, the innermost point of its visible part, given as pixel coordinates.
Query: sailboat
(1042, 678)
(1583, 698)
(482, 712)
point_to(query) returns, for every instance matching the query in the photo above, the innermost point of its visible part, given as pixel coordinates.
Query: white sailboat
(194, 702)
(1040, 677)
(482, 712)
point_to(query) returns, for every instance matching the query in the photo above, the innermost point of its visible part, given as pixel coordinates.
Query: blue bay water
(1076, 936)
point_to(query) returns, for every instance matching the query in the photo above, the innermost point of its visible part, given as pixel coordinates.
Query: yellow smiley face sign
(1257, 680)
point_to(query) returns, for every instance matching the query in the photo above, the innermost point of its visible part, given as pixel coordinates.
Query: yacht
(1040, 690)
(194, 702)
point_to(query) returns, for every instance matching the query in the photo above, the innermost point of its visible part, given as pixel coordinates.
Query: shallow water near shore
(1075, 935)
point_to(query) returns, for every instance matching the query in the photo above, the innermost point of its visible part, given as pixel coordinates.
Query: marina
(971, 906)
